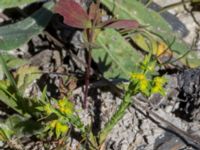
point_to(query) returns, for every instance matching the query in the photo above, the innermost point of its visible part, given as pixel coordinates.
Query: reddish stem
(90, 33)
(87, 79)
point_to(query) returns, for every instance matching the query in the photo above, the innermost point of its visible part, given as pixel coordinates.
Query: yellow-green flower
(61, 128)
(141, 80)
(61, 103)
(159, 81)
(151, 67)
(53, 124)
(156, 89)
(58, 127)
(65, 107)
(158, 85)
(138, 76)
(143, 85)
(48, 109)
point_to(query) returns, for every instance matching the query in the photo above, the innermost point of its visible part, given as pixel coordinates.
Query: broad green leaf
(160, 30)
(14, 35)
(14, 3)
(116, 57)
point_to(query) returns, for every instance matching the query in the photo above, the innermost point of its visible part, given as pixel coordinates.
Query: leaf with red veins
(74, 15)
(121, 24)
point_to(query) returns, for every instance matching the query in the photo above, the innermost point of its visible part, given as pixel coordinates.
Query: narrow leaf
(7, 97)
(123, 24)
(5, 132)
(74, 15)
(7, 73)
(12, 63)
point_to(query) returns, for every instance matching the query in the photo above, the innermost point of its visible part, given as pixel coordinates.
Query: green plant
(47, 117)
(143, 81)
(108, 43)
(60, 117)
(92, 24)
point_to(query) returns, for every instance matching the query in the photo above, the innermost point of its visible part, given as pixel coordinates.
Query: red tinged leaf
(92, 11)
(121, 24)
(74, 15)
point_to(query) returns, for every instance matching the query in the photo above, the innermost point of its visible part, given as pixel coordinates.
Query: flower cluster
(59, 127)
(158, 84)
(146, 81)
(59, 115)
(141, 80)
(148, 86)
(65, 107)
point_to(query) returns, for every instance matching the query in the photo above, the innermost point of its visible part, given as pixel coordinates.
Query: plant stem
(116, 117)
(87, 77)
(90, 36)
(165, 8)
(148, 3)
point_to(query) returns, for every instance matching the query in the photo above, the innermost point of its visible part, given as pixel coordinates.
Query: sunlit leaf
(14, 3)
(116, 57)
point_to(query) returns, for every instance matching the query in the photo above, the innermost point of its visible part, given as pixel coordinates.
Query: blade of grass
(7, 73)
